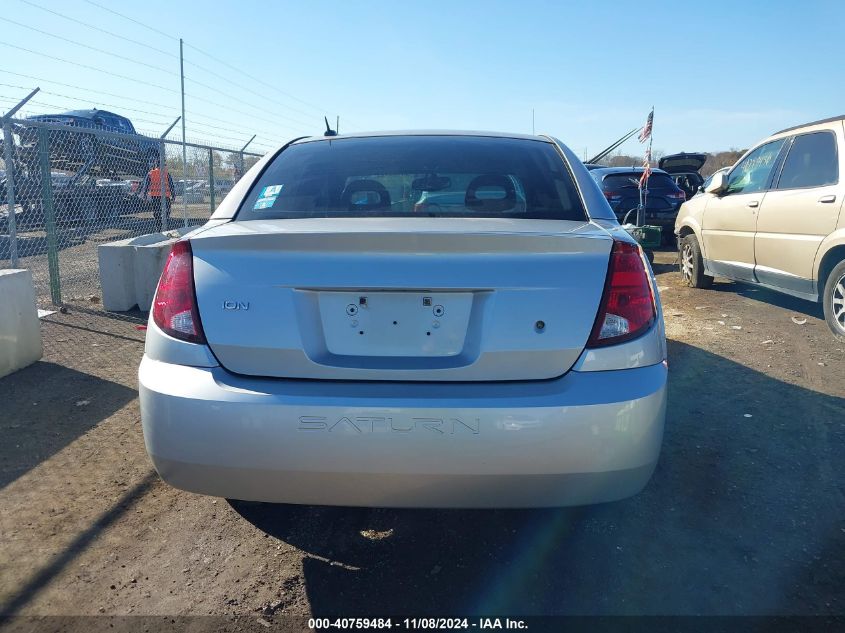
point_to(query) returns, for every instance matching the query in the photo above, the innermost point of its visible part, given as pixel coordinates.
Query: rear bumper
(584, 438)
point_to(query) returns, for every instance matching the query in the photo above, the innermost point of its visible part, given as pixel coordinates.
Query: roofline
(819, 122)
(529, 137)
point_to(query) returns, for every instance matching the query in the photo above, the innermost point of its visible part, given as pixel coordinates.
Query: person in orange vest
(151, 190)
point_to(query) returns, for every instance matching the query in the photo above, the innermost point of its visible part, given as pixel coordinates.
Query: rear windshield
(622, 181)
(398, 176)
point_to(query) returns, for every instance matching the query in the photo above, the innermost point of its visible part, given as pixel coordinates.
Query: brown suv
(775, 219)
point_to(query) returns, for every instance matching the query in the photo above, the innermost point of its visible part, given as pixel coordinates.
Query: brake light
(677, 195)
(175, 305)
(612, 195)
(627, 307)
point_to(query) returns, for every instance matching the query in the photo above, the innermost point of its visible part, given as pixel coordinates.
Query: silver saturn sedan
(420, 319)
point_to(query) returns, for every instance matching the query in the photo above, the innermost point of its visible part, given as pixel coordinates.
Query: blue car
(663, 198)
(97, 155)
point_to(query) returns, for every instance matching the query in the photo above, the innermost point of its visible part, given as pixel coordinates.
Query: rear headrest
(370, 187)
(497, 194)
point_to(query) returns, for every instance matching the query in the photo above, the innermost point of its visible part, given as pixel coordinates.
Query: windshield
(435, 176)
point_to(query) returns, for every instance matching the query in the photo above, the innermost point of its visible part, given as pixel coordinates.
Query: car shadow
(745, 506)
(771, 297)
(45, 407)
(659, 269)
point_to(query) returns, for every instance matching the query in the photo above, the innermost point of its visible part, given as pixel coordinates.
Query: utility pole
(163, 174)
(184, 149)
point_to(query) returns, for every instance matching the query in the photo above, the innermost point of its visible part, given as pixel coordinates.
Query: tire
(691, 263)
(834, 301)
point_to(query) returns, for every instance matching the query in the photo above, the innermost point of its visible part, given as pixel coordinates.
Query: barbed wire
(89, 47)
(159, 122)
(75, 87)
(154, 135)
(126, 17)
(194, 115)
(147, 83)
(153, 67)
(87, 67)
(203, 118)
(163, 52)
(320, 109)
(96, 28)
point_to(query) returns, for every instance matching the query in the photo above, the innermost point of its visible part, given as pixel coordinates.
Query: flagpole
(647, 168)
(648, 157)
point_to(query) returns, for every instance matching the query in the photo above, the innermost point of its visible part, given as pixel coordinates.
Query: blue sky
(720, 74)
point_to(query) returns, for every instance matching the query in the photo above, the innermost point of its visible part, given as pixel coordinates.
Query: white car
(317, 342)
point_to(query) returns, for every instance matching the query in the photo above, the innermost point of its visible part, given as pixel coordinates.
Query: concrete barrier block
(130, 269)
(20, 329)
(117, 279)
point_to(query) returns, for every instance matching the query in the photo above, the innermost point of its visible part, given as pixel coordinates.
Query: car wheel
(692, 264)
(834, 301)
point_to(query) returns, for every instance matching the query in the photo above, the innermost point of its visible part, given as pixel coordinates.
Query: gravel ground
(744, 515)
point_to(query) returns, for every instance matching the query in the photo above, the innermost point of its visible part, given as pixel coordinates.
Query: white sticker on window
(272, 190)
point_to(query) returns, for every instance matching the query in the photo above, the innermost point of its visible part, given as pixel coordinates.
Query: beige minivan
(775, 219)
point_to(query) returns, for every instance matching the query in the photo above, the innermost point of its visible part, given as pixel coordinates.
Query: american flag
(646, 131)
(646, 170)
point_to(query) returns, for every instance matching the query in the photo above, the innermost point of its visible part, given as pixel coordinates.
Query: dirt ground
(745, 513)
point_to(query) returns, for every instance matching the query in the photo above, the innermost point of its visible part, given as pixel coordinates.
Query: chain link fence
(64, 190)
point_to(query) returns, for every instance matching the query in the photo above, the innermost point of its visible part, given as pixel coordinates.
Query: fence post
(164, 187)
(9, 157)
(49, 215)
(211, 178)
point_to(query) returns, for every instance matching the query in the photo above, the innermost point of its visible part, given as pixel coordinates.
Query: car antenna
(329, 131)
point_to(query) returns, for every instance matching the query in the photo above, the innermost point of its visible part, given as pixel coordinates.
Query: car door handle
(827, 199)
(753, 204)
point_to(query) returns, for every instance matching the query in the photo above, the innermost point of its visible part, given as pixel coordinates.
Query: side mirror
(718, 184)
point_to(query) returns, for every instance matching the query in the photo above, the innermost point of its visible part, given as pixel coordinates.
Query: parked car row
(676, 179)
(661, 197)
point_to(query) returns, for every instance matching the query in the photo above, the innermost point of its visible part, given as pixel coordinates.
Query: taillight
(676, 195)
(612, 196)
(175, 304)
(627, 307)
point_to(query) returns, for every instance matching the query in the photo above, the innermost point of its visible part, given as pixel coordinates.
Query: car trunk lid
(682, 163)
(448, 299)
